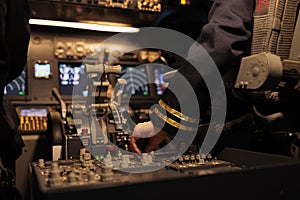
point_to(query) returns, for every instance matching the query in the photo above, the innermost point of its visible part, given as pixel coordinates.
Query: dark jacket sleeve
(226, 38)
(17, 36)
(14, 40)
(3, 48)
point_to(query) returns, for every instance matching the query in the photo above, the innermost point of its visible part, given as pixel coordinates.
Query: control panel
(120, 174)
(120, 166)
(118, 169)
(135, 5)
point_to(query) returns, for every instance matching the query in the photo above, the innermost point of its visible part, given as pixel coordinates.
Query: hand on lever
(146, 130)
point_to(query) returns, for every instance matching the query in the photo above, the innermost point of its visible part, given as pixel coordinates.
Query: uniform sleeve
(226, 38)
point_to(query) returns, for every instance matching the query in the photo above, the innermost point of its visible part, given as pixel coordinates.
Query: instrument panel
(56, 60)
(247, 179)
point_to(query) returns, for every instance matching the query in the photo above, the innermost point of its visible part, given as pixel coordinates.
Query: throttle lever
(63, 106)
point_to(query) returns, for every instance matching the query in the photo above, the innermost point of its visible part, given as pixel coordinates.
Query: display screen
(137, 83)
(158, 74)
(17, 87)
(72, 78)
(42, 70)
(40, 112)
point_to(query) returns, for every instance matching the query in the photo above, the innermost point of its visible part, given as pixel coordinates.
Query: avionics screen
(72, 79)
(137, 81)
(17, 87)
(158, 76)
(40, 112)
(42, 70)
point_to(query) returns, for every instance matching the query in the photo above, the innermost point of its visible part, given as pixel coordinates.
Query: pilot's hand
(146, 130)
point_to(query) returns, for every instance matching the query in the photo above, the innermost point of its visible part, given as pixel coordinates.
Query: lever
(63, 106)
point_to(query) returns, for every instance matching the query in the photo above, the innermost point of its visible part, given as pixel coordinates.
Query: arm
(3, 48)
(17, 36)
(226, 38)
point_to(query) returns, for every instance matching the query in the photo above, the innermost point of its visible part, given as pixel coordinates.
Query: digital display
(42, 70)
(17, 87)
(72, 79)
(158, 74)
(27, 112)
(137, 81)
